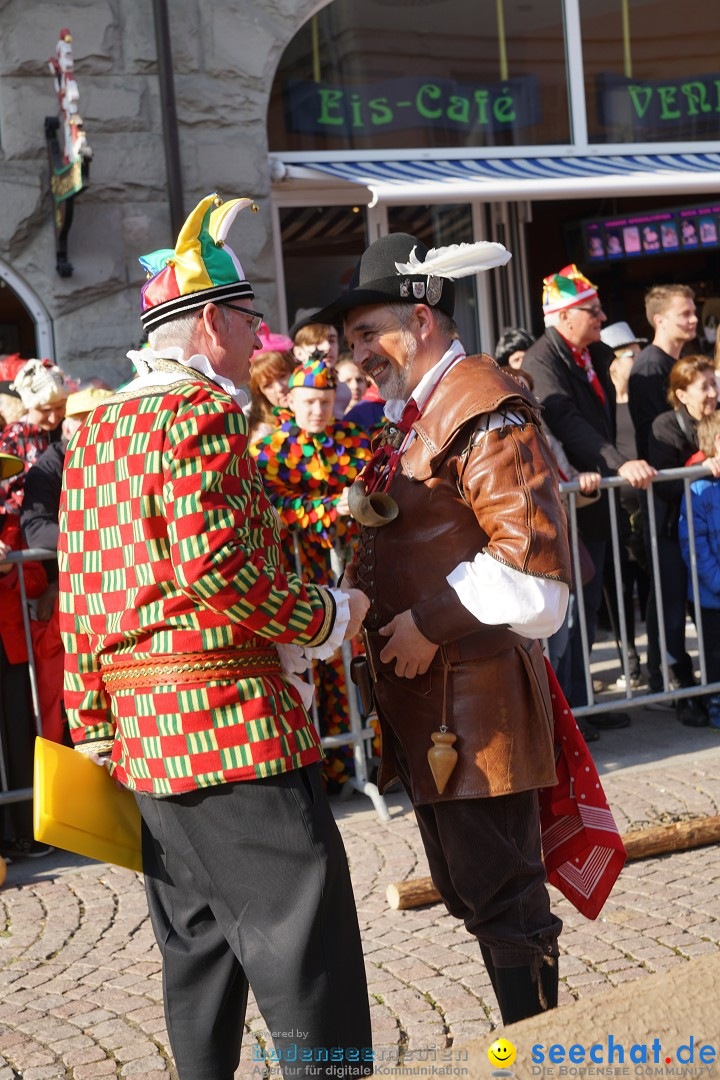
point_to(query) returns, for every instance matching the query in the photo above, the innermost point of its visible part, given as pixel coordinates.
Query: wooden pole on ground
(643, 844)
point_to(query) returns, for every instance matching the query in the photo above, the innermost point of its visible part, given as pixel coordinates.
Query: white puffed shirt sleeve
(500, 595)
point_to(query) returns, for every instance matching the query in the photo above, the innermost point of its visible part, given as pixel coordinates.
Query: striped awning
(522, 178)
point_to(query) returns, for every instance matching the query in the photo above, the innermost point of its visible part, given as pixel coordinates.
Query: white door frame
(45, 341)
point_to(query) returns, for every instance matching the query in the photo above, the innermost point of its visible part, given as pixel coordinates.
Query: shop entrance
(557, 234)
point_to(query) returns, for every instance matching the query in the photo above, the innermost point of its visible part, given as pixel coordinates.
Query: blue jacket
(705, 496)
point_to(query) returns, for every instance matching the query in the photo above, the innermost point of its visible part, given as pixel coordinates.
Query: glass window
(652, 72)
(321, 245)
(437, 226)
(408, 74)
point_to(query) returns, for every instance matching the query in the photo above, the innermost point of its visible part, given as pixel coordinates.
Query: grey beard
(397, 382)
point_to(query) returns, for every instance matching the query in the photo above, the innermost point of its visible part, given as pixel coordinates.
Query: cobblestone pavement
(80, 984)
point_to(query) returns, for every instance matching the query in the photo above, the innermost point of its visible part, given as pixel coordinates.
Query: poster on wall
(658, 232)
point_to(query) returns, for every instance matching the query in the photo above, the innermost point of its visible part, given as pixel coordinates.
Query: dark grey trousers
(485, 859)
(248, 883)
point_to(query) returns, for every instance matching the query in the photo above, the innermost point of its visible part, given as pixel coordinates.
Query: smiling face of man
(384, 349)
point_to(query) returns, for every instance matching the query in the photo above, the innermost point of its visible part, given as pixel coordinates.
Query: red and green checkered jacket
(169, 547)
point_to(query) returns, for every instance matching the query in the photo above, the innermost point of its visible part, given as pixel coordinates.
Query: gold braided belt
(160, 670)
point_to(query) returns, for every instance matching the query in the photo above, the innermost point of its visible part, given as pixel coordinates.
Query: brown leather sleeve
(443, 617)
(509, 480)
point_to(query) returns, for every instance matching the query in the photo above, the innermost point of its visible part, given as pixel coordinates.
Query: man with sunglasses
(183, 635)
(571, 369)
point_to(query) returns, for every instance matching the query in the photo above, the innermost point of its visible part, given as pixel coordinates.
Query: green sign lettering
(433, 92)
(667, 95)
(330, 99)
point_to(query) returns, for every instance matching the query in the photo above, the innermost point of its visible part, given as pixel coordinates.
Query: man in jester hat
(471, 571)
(183, 631)
(308, 465)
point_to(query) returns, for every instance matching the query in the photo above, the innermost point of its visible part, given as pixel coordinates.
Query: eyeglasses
(595, 310)
(256, 317)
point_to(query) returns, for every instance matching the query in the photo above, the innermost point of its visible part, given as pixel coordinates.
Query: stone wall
(225, 56)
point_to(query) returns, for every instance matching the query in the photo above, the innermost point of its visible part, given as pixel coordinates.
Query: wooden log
(642, 844)
(413, 893)
(679, 836)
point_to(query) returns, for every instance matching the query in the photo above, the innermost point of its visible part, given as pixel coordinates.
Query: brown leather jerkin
(501, 497)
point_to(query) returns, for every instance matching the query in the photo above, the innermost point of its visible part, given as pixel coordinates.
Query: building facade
(570, 130)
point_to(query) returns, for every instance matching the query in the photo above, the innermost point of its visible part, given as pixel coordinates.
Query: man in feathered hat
(570, 366)
(307, 465)
(462, 581)
(182, 631)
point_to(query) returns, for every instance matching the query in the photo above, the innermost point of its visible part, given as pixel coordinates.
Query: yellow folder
(78, 806)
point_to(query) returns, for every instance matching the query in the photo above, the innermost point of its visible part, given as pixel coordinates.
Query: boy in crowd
(705, 503)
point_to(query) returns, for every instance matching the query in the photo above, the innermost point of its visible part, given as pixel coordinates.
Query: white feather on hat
(457, 260)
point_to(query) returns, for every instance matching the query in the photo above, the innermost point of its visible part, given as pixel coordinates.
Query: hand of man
(341, 505)
(359, 605)
(713, 466)
(589, 482)
(638, 473)
(412, 652)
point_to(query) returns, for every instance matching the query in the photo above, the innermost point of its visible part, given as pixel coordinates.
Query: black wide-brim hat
(376, 280)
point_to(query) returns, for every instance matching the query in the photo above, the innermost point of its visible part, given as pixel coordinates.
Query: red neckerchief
(381, 467)
(582, 848)
(583, 360)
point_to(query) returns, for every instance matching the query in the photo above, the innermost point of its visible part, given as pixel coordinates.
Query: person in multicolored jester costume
(182, 631)
(308, 465)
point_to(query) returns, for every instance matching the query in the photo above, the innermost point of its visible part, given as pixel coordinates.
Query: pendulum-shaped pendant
(442, 757)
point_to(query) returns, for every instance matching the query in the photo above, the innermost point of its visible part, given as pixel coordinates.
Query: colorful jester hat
(201, 270)
(566, 289)
(314, 374)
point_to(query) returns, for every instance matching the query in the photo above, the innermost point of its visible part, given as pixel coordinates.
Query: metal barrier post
(617, 563)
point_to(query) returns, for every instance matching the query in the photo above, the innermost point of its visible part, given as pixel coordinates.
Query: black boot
(488, 960)
(521, 993)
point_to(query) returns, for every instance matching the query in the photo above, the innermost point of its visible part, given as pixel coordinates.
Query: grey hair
(552, 318)
(179, 332)
(404, 313)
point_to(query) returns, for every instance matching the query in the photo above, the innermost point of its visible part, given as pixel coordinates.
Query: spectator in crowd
(356, 380)
(633, 559)
(514, 342)
(40, 528)
(307, 467)
(571, 369)
(41, 385)
(709, 322)
(705, 503)
(17, 728)
(273, 342)
(270, 373)
(320, 340)
(11, 406)
(558, 643)
(670, 310)
(693, 395)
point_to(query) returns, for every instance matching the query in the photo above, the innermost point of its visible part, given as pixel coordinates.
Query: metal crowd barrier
(639, 699)
(360, 733)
